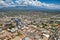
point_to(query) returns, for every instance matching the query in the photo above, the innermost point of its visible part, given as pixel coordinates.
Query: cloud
(11, 3)
(51, 6)
(28, 2)
(38, 3)
(3, 4)
(7, 3)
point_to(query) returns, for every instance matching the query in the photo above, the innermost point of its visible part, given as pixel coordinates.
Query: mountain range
(27, 5)
(28, 8)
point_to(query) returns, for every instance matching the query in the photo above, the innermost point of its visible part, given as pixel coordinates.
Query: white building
(27, 38)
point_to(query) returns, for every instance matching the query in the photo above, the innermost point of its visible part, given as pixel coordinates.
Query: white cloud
(38, 3)
(51, 6)
(3, 4)
(9, 3)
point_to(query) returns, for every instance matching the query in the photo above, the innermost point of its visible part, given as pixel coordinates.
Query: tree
(19, 33)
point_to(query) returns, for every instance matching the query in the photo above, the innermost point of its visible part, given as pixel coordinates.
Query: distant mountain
(30, 5)
(28, 8)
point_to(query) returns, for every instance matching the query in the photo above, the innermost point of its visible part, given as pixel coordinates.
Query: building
(27, 38)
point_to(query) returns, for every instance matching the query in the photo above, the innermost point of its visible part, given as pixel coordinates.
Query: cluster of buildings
(9, 27)
(25, 28)
(14, 22)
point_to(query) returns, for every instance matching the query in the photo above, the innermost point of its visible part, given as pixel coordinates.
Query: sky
(50, 4)
(51, 1)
